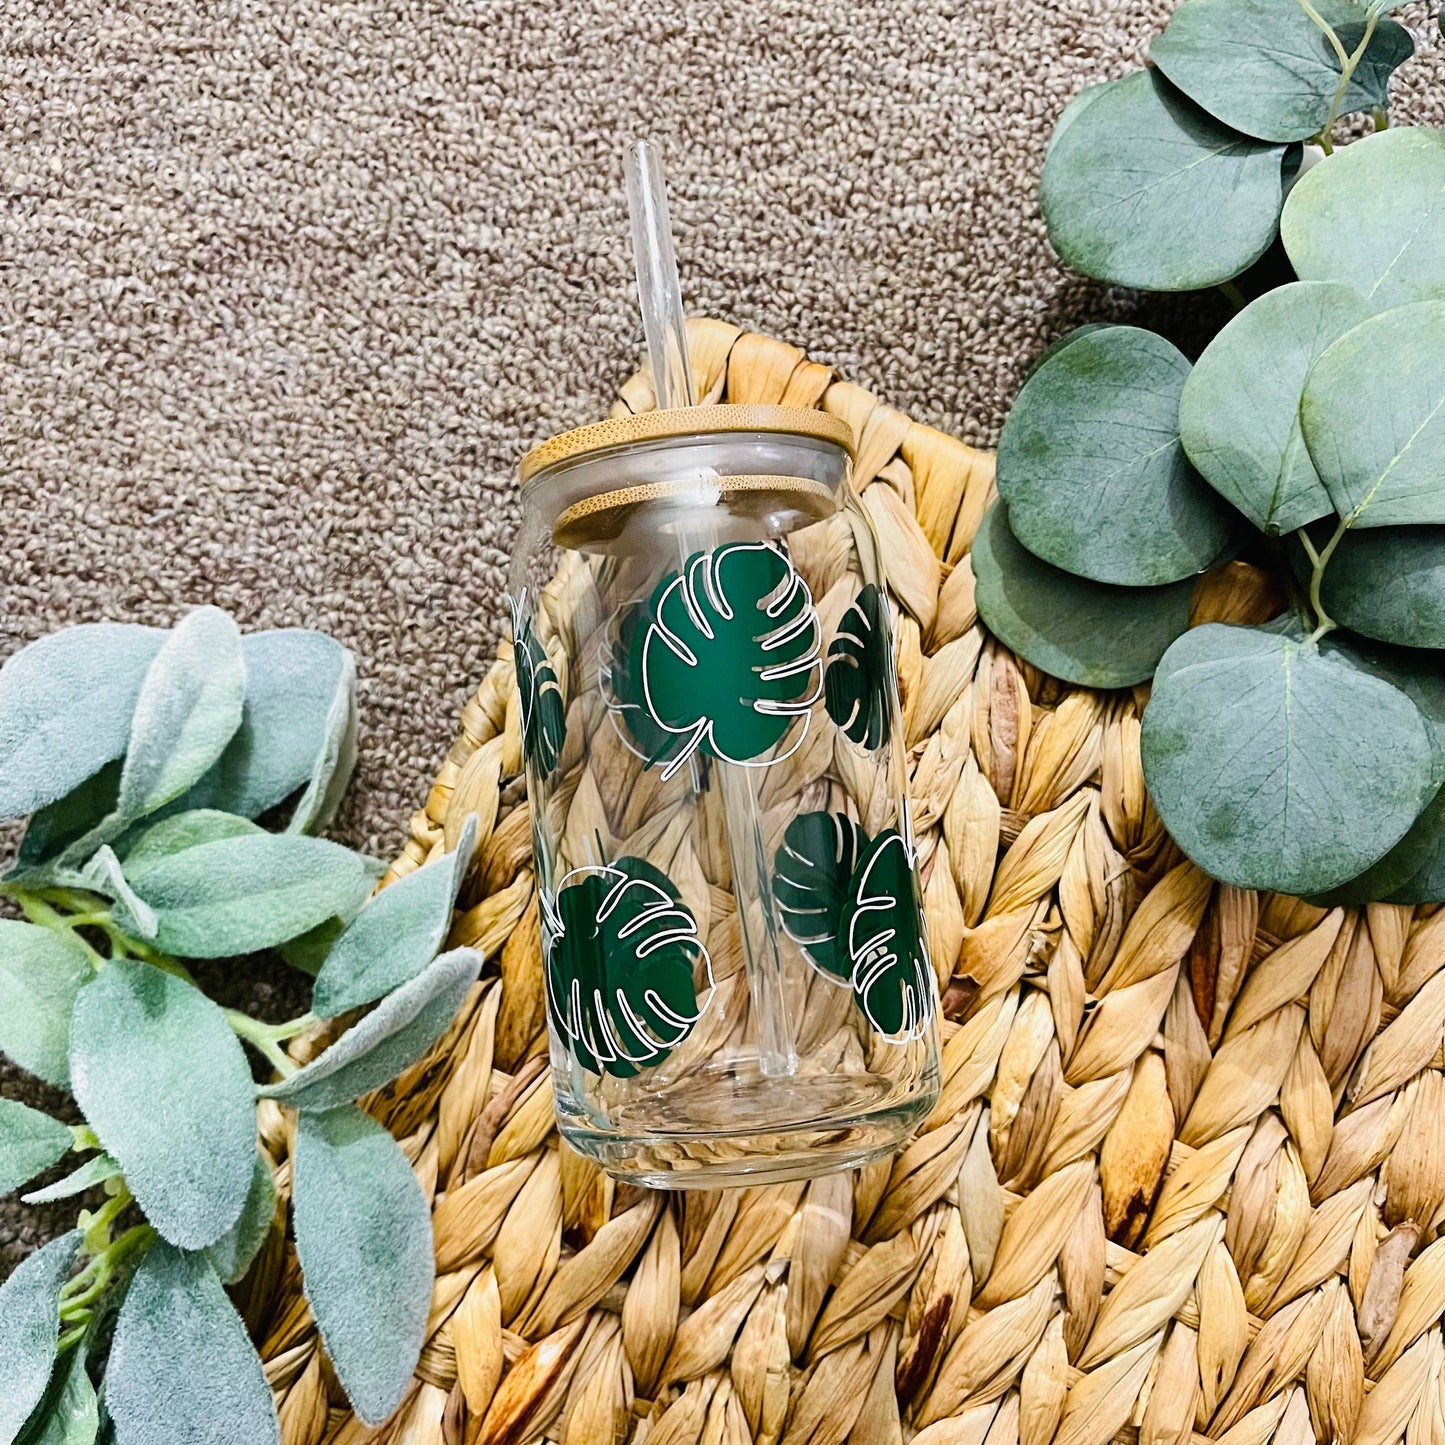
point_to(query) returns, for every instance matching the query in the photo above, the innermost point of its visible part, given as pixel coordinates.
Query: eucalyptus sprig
(144, 760)
(1306, 752)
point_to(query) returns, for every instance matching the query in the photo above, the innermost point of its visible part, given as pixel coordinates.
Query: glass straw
(659, 296)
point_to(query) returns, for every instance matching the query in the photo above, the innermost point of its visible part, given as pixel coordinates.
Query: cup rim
(690, 421)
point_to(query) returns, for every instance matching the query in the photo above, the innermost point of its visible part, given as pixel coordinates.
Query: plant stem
(1233, 295)
(1319, 560)
(265, 1038)
(1349, 61)
(39, 912)
(100, 1273)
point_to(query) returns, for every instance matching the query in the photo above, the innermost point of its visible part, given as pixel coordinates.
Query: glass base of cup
(725, 1132)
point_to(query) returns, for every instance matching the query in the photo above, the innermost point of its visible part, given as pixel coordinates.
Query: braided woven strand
(1184, 1181)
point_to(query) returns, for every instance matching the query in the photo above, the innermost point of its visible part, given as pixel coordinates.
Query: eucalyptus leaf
(92, 672)
(182, 1369)
(29, 1143)
(1372, 216)
(395, 1034)
(1274, 764)
(164, 1084)
(1126, 184)
(1239, 410)
(95, 1170)
(1424, 847)
(1373, 417)
(232, 1253)
(811, 876)
(69, 1414)
(29, 1329)
(396, 935)
(1092, 469)
(1389, 583)
(294, 679)
(1084, 632)
(363, 1233)
(1389, 48)
(1413, 871)
(1265, 68)
(41, 972)
(1414, 672)
(248, 892)
(188, 709)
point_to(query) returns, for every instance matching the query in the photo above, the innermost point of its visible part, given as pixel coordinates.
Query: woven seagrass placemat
(1185, 1177)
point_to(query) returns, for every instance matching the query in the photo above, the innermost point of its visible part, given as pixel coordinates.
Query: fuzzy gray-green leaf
(94, 673)
(293, 680)
(69, 1414)
(1373, 416)
(1372, 216)
(188, 709)
(29, 1143)
(397, 1032)
(248, 892)
(29, 1328)
(40, 974)
(96, 1170)
(1239, 410)
(363, 1233)
(144, 847)
(1126, 184)
(162, 1080)
(182, 1370)
(232, 1253)
(1263, 66)
(1092, 469)
(396, 935)
(333, 765)
(1084, 632)
(1276, 765)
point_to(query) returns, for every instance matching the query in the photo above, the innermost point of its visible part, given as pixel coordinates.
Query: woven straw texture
(1185, 1176)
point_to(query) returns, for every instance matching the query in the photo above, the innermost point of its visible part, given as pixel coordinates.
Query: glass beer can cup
(736, 964)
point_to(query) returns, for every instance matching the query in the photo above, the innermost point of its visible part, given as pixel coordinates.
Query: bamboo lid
(648, 426)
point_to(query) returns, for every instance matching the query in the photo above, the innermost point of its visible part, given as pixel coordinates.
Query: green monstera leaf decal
(811, 877)
(858, 683)
(620, 678)
(623, 954)
(882, 928)
(852, 905)
(544, 726)
(730, 658)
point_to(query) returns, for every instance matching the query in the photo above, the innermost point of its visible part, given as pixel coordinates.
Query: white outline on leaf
(874, 955)
(610, 1048)
(702, 572)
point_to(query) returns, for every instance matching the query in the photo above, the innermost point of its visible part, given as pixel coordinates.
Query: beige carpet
(288, 286)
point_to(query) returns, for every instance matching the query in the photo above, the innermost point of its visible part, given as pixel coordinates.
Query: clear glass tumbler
(737, 971)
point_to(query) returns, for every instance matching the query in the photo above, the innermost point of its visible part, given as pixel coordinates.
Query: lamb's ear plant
(173, 782)
(1305, 752)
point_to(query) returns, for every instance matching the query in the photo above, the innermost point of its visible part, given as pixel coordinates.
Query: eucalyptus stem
(1319, 560)
(1349, 62)
(1231, 292)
